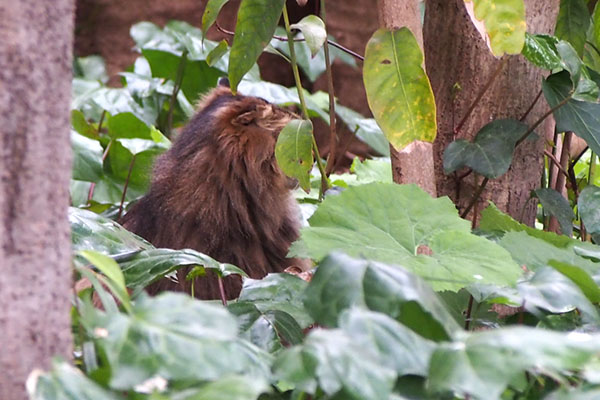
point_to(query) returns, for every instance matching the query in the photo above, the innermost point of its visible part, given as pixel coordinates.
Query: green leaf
(91, 67)
(90, 231)
(211, 12)
(127, 125)
(484, 363)
(235, 387)
(277, 292)
(572, 23)
(398, 90)
(266, 330)
(491, 152)
(87, 158)
(331, 358)
(293, 151)
(313, 29)
(174, 337)
(504, 22)
(374, 170)
(541, 51)
(550, 290)
(588, 206)
(580, 277)
(585, 88)
(80, 124)
(397, 346)
(401, 224)
(217, 53)
(65, 382)
(256, 23)
(555, 204)
(342, 282)
(580, 117)
(152, 264)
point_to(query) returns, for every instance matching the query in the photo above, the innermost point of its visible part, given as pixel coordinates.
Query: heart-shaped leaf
(293, 151)
(588, 206)
(313, 29)
(572, 23)
(211, 12)
(541, 51)
(555, 204)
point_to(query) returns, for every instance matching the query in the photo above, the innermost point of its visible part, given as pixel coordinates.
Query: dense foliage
(407, 301)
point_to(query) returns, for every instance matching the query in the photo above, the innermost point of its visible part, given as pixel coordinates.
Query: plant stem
(332, 134)
(469, 310)
(541, 119)
(552, 158)
(324, 184)
(481, 93)
(285, 39)
(222, 290)
(176, 88)
(475, 198)
(533, 103)
(561, 180)
(104, 155)
(126, 185)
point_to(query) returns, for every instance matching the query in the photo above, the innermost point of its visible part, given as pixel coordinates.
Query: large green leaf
(588, 206)
(581, 278)
(151, 264)
(504, 22)
(366, 129)
(342, 282)
(573, 22)
(175, 337)
(234, 387)
(541, 51)
(491, 152)
(90, 231)
(582, 118)
(65, 382)
(87, 158)
(332, 360)
(401, 224)
(293, 151)
(256, 23)
(555, 204)
(277, 292)
(398, 90)
(484, 363)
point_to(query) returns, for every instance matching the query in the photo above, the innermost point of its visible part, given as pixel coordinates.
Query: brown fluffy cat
(219, 190)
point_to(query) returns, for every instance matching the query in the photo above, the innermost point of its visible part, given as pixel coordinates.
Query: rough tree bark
(459, 64)
(35, 166)
(414, 164)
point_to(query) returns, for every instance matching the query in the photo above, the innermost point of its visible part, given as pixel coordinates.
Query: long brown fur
(219, 190)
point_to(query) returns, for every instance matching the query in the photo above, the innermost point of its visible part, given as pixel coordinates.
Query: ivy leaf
(79, 123)
(211, 12)
(582, 118)
(588, 206)
(504, 22)
(87, 158)
(398, 90)
(293, 151)
(491, 152)
(555, 204)
(256, 23)
(572, 23)
(401, 224)
(541, 51)
(313, 29)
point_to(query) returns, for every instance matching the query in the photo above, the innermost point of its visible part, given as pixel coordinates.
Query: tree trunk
(35, 165)
(413, 164)
(459, 65)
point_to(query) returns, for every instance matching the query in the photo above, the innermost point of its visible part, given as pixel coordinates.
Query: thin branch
(176, 88)
(469, 310)
(553, 158)
(542, 118)
(324, 183)
(475, 198)
(480, 95)
(533, 103)
(332, 134)
(284, 39)
(125, 187)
